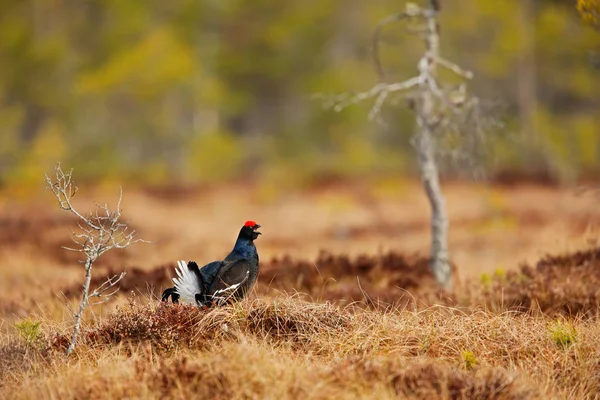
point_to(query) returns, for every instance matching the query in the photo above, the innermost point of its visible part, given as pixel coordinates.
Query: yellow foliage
(590, 11)
(394, 186)
(587, 133)
(570, 143)
(10, 118)
(47, 149)
(215, 156)
(158, 61)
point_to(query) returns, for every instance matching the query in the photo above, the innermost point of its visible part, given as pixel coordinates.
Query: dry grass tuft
(165, 326)
(300, 322)
(189, 375)
(427, 379)
(169, 326)
(15, 356)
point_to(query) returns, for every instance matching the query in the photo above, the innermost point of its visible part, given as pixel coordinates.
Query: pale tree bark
(84, 301)
(425, 143)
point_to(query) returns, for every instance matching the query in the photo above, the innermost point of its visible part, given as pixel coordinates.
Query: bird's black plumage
(219, 281)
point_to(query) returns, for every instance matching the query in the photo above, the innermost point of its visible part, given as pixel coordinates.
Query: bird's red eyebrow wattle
(250, 224)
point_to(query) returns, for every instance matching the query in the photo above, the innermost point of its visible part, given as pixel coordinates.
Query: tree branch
(376, 38)
(455, 68)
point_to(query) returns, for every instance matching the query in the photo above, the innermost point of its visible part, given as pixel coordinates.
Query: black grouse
(219, 281)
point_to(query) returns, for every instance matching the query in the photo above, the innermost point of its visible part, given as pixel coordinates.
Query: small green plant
(469, 359)
(563, 333)
(426, 344)
(29, 330)
(500, 274)
(486, 280)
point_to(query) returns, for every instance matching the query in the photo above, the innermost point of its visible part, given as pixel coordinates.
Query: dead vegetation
(137, 280)
(384, 280)
(338, 325)
(567, 285)
(286, 347)
(169, 326)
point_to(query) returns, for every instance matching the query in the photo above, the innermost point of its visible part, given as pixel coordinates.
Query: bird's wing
(210, 271)
(188, 283)
(229, 278)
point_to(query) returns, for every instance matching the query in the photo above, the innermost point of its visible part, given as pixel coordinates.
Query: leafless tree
(441, 111)
(99, 232)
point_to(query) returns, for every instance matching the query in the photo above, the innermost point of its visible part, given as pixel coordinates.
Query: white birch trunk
(425, 142)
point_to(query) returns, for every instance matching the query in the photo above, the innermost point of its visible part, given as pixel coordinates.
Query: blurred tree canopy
(215, 89)
(590, 11)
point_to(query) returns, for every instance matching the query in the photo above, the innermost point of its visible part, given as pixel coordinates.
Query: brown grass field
(345, 307)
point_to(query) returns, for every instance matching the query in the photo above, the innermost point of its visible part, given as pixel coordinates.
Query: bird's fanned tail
(187, 284)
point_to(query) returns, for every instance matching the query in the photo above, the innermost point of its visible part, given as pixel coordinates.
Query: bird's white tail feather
(187, 284)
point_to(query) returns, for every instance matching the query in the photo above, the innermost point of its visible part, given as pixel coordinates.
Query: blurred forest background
(192, 91)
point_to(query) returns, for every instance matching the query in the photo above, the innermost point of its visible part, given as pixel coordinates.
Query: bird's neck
(243, 248)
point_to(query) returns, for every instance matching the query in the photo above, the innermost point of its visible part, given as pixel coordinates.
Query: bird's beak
(257, 226)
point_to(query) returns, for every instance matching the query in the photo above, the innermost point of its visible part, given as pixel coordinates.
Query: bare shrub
(100, 232)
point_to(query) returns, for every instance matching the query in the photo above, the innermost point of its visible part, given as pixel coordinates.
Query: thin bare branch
(455, 68)
(72, 249)
(376, 40)
(110, 283)
(376, 90)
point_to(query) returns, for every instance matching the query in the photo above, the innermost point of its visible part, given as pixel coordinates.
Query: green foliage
(469, 359)
(486, 280)
(29, 330)
(132, 88)
(563, 333)
(500, 274)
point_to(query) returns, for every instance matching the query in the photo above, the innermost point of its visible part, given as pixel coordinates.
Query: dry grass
(354, 322)
(288, 348)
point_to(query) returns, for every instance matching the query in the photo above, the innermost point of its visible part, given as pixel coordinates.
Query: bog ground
(344, 307)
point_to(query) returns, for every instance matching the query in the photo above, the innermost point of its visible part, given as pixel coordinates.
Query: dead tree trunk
(425, 143)
(440, 110)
